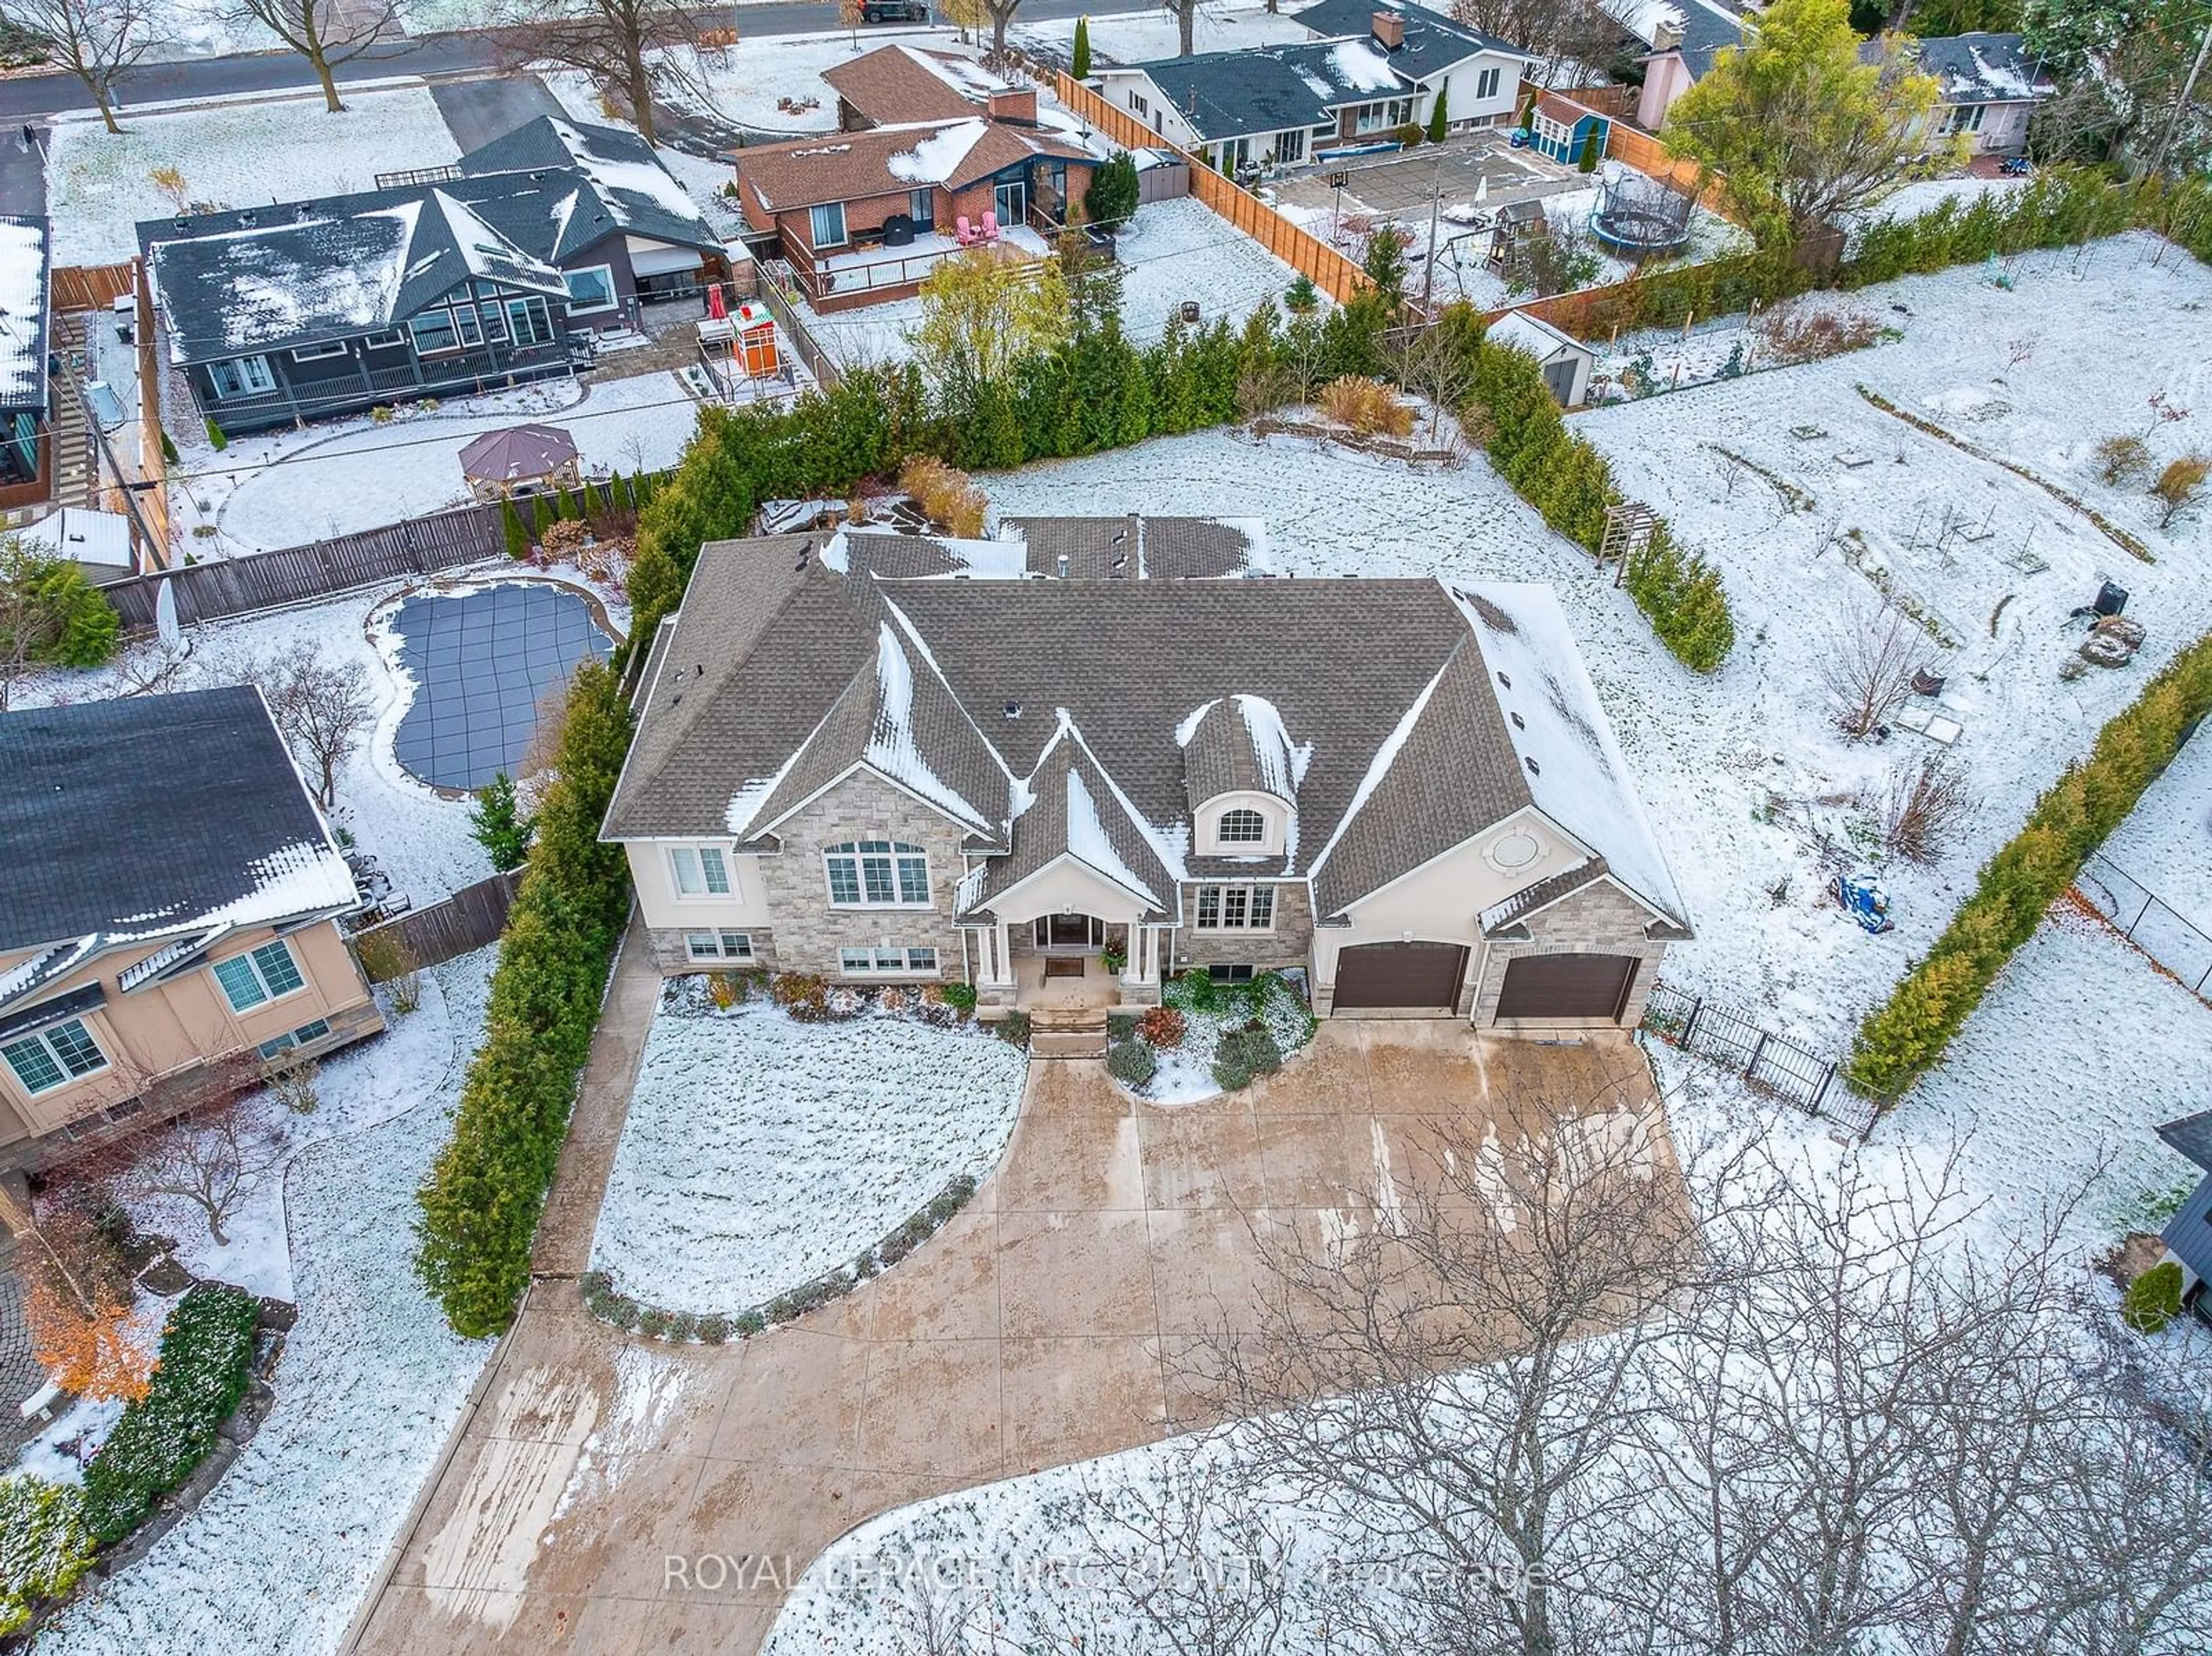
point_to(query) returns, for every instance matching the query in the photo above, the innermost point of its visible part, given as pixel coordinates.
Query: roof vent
(1059, 566)
(246, 220)
(1506, 682)
(1535, 769)
(1519, 723)
(1013, 710)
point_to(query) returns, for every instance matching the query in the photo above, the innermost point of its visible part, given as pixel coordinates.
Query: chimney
(1389, 28)
(1014, 103)
(1665, 34)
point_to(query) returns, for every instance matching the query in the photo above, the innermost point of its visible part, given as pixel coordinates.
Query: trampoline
(480, 662)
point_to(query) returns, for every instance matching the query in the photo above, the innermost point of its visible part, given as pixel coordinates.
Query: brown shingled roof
(783, 178)
(906, 83)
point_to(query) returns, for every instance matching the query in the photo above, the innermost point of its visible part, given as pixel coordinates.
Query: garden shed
(1566, 362)
(1566, 132)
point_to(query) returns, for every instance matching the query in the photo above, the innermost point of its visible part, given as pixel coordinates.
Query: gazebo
(520, 460)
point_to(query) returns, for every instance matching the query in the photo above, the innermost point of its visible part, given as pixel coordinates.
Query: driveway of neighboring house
(1031, 1331)
(477, 111)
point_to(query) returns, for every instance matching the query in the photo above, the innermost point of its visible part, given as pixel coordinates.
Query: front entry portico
(1044, 940)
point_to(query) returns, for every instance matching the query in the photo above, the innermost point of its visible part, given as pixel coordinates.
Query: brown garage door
(1413, 975)
(1567, 987)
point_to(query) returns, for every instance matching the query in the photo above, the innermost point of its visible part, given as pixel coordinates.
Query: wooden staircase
(1067, 1032)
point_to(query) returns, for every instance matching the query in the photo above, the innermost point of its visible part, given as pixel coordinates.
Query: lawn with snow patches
(422, 839)
(98, 185)
(274, 1562)
(759, 1151)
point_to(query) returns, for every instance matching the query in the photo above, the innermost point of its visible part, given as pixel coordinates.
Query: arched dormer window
(1243, 827)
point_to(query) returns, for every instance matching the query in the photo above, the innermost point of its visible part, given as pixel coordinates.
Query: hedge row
(44, 1548)
(481, 1202)
(1904, 1038)
(205, 1363)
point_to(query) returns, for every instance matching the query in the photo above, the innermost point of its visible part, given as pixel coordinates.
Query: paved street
(1040, 1328)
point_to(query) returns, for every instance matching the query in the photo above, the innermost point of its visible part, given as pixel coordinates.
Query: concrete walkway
(1031, 1331)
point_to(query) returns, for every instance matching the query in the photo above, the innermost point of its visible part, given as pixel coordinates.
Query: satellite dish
(164, 614)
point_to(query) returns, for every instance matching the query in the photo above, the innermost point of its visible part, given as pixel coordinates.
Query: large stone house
(168, 904)
(883, 758)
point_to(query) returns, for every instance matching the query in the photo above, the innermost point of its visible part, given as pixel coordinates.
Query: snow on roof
(1087, 840)
(892, 748)
(1168, 844)
(937, 157)
(1359, 66)
(22, 310)
(963, 75)
(616, 177)
(1575, 773)
(1532, 335)
(1282, 765)
(96, 539)
(489, 254)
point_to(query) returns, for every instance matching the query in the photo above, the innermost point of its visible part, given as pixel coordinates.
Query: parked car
(895, 11)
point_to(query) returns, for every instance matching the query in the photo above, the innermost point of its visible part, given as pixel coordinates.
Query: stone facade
(1290, 943)
(673, 956)
(1599, 919)
(808, 931)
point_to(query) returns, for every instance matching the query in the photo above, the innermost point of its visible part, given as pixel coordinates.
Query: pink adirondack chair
(964, 232)
(990, 226)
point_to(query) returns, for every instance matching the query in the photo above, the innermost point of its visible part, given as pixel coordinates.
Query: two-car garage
(1427, 977)
(1566, 988)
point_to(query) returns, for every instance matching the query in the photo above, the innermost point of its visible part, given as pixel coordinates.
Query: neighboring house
(1681, 37)
(455, 280)
(2188, 1235)
(168, 905)
(883, 758)
(864, 217)
(1285, 105)
(900, 85)
(1567, 362)
(1568, 131)
(26, 459)
(1988, 87)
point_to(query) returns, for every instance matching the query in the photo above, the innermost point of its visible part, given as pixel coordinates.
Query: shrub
(565, 537)
(799, 993)
(481, 1201)
(1241, 1054)
(2175, 490)
(1902, 1038)
(1194, 991)
(2154, 1298)
(945, 496)
(1683, 599)
(1131, 1063)
(2123, 460)
(44, 1547)
(1801, 332)
(1162, 1026)
(205, 1360)
(1013, 1028)
(499, 825)
(511, 525)
(962, 995)
(1365, 406)
(1302, 298)
(168, 446)
(215, 435)
(715, 1329)
(749, 1322)
(682, 1326)
(654, 1324)
(1112, 197)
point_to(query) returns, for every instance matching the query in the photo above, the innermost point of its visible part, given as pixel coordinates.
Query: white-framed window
(1485, 85)
(1550, 130)
(1380, 118)
(300, 1037)
(468, 326)
(1242, 827)
(1291, 146)
(700, 871)
(242, 376)
(54, 1057)
(1237, 908)
(528, 321)
(1966, 117)
(1139, 102)
(433, 333)
(877, 873)
(719, 945)
(827, 222)
(885, 963)
(590, 290)
(318, 352)
(268, 972)
(386, 340)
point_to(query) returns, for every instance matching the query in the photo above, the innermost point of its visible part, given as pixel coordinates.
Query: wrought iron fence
(2147, 922)
(1774, 1064)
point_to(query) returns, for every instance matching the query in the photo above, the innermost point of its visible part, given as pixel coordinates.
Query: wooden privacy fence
(91, 287)
(266, 580)
(1331, 272)
(471, 917)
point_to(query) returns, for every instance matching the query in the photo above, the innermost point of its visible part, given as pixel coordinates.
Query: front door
(1013, 203)
(1070, 932)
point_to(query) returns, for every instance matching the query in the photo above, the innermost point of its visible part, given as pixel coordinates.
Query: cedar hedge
(44, 1548)
(205, 1361)
(481, 1202)
(1903, 1039)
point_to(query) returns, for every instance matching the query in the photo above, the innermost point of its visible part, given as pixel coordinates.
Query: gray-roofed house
(1405, 788)
(467, 278)
(1682, 38)
(168, 909)
(24, 459)
(1378, 68)
(2188, 1235)
(1987, 87)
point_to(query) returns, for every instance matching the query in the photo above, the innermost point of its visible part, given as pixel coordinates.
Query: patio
(845, 277)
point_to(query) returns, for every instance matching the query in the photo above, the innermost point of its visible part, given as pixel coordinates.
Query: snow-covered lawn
(274, 1562)
(422, 840)
(760, 1151)
(283, 488)
(100, 186)
(2166, 843)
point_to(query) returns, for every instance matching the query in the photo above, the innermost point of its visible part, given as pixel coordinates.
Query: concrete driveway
(1031, 1331)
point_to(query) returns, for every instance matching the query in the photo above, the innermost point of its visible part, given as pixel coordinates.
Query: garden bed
(1176, 1053)
(774, 1150)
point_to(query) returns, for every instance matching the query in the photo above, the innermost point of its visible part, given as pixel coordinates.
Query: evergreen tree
(1439, 122)
(1112, 196)
(564, 503)
(510, 523)
(1302, 298)
(1384, 262)
(1079, 64)
(497, 824)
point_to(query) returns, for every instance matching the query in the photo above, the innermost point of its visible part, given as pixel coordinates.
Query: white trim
(1480, 834)
(753, 832)
(996, 905)
(322, 353)
(268, 995)
(830, 890)
(385, 341)
(42, 1036)
(1606, 878)
(706, 893)
(614, 292)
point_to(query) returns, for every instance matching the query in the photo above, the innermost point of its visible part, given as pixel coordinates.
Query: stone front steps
(1073, 1032)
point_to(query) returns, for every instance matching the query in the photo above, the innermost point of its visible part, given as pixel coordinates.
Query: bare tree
(214, 1160)
(95, 40)
(1001, 13)
(327, 32)
(1871, 660)
(1927, 806)
(621, 44)
(1185, 12)
(321, 705)
(152, 668)
(1436, 364)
